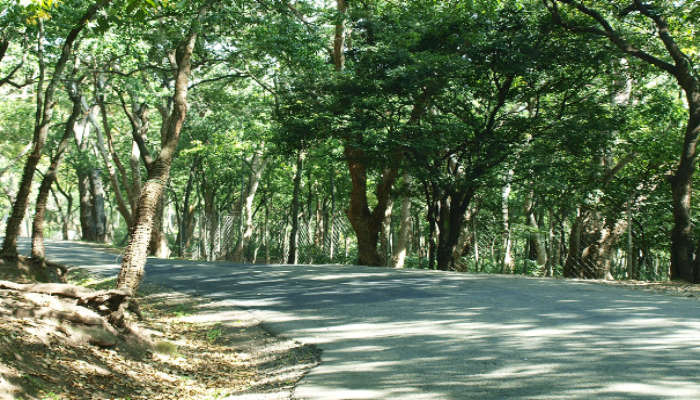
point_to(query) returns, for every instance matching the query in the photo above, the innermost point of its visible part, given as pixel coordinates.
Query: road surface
(389, 334)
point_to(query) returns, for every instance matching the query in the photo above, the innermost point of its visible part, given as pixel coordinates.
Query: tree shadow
(436, 335)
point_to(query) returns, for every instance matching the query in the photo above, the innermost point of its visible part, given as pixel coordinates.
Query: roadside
(671, 288)
(192, 357)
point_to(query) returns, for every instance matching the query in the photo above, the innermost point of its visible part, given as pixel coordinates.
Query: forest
(552, 138)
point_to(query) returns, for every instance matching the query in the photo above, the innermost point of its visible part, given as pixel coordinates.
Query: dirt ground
(193, 357)
(678, 289)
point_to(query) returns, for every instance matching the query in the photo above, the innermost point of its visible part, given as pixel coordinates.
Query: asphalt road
(432, 335)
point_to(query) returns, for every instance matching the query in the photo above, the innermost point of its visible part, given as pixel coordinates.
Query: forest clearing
(543, 144)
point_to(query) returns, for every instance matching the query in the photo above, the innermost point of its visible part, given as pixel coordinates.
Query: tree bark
(107, 159)
(508, 264)
(87, 223)
(38, 250)
(44, 113)
(99, 217)
(293, 256)
(257, 166)
(158, 244)
(134, 260)
(591, 244)
(266, 234)
(385, 239)
(535, 236)
(453, 208)
(432, 233)
(475, 232)
(65, 214)
(331, 218)
(210, 218)
(401, 247)
(366, 223)
(186, 228)
(339, 38)
(684, 264)
(553, 249)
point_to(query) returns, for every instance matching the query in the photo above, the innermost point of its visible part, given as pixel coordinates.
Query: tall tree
(44, 112)
(134, 259)
(635, 37)
(38, 250)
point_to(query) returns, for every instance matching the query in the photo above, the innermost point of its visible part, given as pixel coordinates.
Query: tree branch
(607, 31)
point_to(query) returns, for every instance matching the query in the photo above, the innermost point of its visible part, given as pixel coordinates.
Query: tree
(666, 53)
(44, 113)
(134, 260)
(38, 251)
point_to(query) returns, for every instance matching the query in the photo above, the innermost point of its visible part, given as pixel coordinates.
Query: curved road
(389, 334)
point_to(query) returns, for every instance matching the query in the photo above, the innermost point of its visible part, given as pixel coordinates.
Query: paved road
(427, 335)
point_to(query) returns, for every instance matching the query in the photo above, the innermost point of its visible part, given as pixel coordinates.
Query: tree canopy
(542, 137)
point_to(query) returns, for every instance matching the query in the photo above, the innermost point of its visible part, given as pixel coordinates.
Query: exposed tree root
(100, 318)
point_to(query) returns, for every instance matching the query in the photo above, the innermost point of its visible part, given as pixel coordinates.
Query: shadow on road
(427, 335)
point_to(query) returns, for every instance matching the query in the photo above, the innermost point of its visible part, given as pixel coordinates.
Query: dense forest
(537, 137)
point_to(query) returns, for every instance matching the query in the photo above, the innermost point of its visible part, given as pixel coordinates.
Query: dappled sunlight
(334, 277)
(431, 335)
(660, 389)
(522, 370)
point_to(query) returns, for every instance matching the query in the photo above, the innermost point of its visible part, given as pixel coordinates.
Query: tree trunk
(286, 238)
(87, 223)
(508, 264)
(99, 217)
(318, 225)
(186, 226)
(682, 264)
(308, 215)
(38, 251)
(591, 244)
(535, 238)
(432, 233)
(631, 259)
(465, 243)
(475, 232)
(65, 215)
(266, 234)
(401, 247)
(105, 154)
(134, 260)
(135, 253)
(331, 219)
(453, 208)
(210, 219)
(553, 247)
(135, 173)
(257, 166)
(385, 238)
(571, 270)
(366, 223)
(293, 256)
(44, 112)
(158, 244)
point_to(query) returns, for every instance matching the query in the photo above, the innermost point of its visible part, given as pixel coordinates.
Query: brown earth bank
(672, 288)
(179, 350)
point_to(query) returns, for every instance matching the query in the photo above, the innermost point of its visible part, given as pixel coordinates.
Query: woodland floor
(190, 360)
(680, 289)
